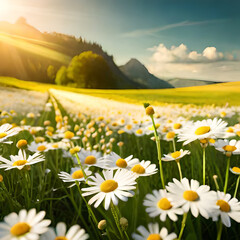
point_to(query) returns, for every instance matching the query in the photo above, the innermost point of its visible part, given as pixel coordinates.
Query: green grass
(218, 94)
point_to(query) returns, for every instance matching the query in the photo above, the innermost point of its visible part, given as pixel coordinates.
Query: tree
(90, 70)
(61, 76)
(51, 72)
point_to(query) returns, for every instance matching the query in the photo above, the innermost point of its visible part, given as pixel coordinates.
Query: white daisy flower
(21, 160)
(191, 196)
(228, 208)
(7, 130)
(40, 147)
(169, 136)
(175, 155)
(114, 161)
(24, 226)
(91, 158)
(226, 146)
(144, 168)
(153, 233)
(159, 203)
(110, 187)
(202, 130)
(76, 174)
(235, 170)
(74, 233)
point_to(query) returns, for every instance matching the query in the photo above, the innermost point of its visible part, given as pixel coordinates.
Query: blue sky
(144, 29)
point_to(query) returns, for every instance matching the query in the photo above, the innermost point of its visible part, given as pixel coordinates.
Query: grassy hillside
(218, 94)
(26, 53)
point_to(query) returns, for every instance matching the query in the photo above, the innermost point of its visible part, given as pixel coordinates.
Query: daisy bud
(149, 111)
(46, 123)
(102, 224)
(120, 144)
(96, 146)
(74, 150)
(49, 133)
(50, 129)
(99, 130)
(102, 141)
(76, 128)
(21, 144)
(84, 139)
(1, 178)
(120, 131)
(123, 223)
(112, 140)
(30, 115)
(94, 134)
(39, 139)
(153, 139)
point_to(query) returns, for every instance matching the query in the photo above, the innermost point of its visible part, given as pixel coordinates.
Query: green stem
(174, 145)
(88, 207)
(183, 226)
(219, 234)
(115, 216)
(204, 164)
(226, 176)
(158, 143)
(236, 188)
(179, 169)
(79, 162)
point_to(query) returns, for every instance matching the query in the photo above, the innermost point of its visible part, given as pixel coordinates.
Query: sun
(4, 7)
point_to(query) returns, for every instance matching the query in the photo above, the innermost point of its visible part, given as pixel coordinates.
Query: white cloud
(179, 61)
(181, 54)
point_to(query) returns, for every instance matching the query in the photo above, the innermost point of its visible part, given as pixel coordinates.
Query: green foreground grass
(218, 94)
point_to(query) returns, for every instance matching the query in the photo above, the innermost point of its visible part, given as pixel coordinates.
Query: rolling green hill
(26, 53)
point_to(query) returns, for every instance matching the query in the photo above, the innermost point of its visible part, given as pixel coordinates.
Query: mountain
(181, 82)
(136, 71)
(26, 53)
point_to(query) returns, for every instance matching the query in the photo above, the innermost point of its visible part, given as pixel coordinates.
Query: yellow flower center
(223, 114)
(19, 162)
(2, 135)
(77, 174)
(176, 154)
(90, 160)
(236, 169)
(20, 229)
(154, 236)
(211, 140)
(224, 206)
(55, 145)
(177, 125)
(138, 168)
(202, 130)
(41, 148)
(128, 127)
(139, 131)
(68, 135)
(170, 135)
(121, 163)
(120, 131)
(114, 124)
(230, 130)
(164, 204)
(60, 238)
(164, 129)
(108, 186)
(229, 148)
(190, 195)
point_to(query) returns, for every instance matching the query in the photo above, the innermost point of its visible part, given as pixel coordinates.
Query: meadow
(108, 168)
(218, 94)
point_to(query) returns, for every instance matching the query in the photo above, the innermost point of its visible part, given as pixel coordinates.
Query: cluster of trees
(87, 70)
